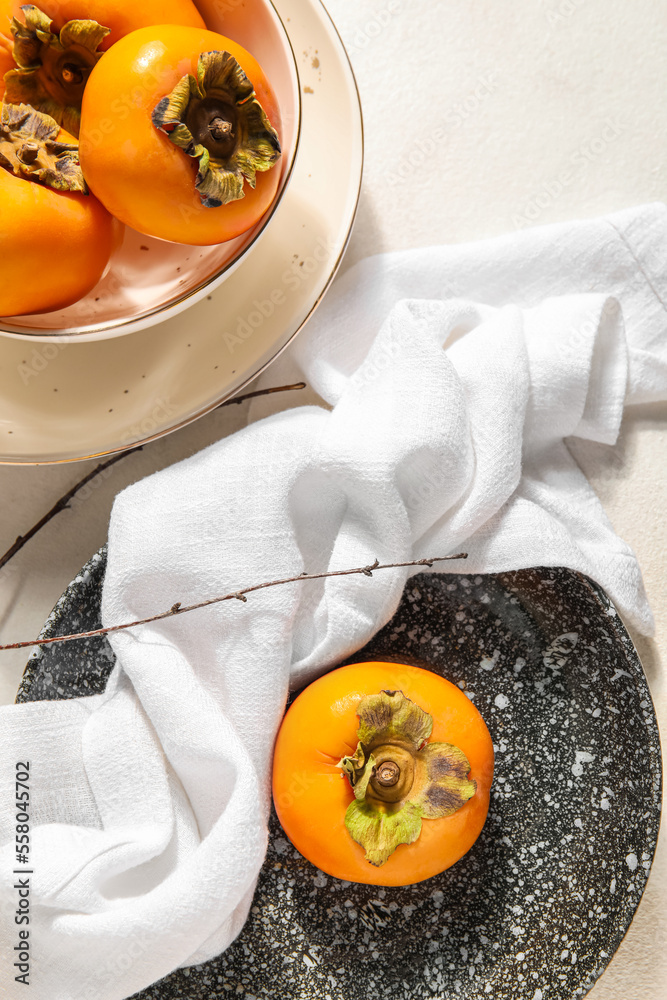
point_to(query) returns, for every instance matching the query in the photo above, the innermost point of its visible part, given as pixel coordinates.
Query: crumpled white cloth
(453, 376)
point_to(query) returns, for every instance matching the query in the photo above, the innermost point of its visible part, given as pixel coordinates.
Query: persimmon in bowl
(150, 279)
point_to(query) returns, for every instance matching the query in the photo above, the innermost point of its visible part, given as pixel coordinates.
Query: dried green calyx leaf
(380, 832)
(398, 778)
(217, 120)
(391, 716)
(52, 68)
(29, 148)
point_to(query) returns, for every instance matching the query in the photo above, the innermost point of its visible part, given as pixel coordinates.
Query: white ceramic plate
(63, 401)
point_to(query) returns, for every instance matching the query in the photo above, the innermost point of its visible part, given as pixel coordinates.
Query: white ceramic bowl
(149, 280)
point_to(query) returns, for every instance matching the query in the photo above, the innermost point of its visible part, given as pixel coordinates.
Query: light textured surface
(535, 111)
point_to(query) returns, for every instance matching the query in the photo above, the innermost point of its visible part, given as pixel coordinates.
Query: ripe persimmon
(119, 16)
(179, 135)
(382, 773)
(55, 239)
(6, 62)
(56, 43)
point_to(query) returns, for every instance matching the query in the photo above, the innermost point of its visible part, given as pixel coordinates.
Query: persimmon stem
(220, 129)
(28, 152)
(388, 773)
(71, 73)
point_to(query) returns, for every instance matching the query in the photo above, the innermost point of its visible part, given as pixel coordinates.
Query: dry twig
(262, 392)
(63, 502)
(237, 595)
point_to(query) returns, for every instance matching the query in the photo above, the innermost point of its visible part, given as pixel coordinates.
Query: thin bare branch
(63, 502)
(237, 595)
(262, 392)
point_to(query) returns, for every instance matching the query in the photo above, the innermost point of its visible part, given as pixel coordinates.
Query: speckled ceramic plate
(539, 905)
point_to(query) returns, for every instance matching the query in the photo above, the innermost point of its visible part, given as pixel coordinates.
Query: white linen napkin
(452, 378)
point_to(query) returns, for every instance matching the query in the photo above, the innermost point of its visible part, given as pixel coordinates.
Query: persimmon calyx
(29, 148)
(53, 68)
(398, 777)
(217, 120)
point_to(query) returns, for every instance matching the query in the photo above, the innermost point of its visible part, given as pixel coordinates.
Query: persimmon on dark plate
(539, 904)
(382, 773)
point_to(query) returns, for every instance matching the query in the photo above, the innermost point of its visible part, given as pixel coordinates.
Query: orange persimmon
(179, 135)
(6, 60)
(54, 244)
(120, 16)
(320, 779)
(56, 43)
(5, 64)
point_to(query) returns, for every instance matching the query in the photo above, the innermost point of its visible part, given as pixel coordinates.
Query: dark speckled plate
(539, 905)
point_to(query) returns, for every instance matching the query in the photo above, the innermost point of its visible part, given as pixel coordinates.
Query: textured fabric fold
(452, 379)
